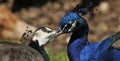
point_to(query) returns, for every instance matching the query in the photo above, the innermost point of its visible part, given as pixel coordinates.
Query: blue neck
(82, 32)
(77, 42)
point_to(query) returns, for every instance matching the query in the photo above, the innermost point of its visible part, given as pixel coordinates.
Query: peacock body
(79, 48)
(33, 48)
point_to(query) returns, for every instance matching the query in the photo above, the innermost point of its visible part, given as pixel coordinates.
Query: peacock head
(71, 22)
(44, 35)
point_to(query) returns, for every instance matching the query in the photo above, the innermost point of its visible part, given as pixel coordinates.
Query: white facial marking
(48, 29)
(73, 26)
(44, 37)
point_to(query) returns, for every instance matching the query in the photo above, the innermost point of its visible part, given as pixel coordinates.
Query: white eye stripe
(73, 25)
(64, 28)
(48, 29)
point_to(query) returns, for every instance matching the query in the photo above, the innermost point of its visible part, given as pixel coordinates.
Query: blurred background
(16, 15)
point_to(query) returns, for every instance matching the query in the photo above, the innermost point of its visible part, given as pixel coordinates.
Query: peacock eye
(68, 26)
(43, 29)
(46, 30)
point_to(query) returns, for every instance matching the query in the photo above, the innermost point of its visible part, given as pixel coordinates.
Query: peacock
(79, 48)
(31, 47)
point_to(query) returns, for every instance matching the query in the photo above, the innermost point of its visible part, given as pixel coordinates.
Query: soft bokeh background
(16, 15)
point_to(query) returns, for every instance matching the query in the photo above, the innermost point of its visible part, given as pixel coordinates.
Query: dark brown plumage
(17, 52)
(29, 49)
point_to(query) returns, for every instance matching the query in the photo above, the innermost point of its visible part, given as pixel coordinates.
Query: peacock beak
(60, 31)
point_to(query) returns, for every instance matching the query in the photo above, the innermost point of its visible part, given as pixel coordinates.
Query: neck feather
(77, 42)
(41, 50)
(82, 32)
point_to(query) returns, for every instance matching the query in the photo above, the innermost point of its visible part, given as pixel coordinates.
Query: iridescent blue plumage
(69, 18)
(79, 48)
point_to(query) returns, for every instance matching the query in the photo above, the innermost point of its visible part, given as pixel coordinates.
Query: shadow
(18, 4)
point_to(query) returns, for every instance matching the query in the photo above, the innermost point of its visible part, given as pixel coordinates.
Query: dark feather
(17, 52)
(86, 6)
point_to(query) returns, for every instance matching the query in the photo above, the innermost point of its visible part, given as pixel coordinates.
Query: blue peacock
(79, 48)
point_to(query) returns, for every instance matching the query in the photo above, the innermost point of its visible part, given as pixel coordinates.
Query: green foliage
(1, 40)
(57, 56)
